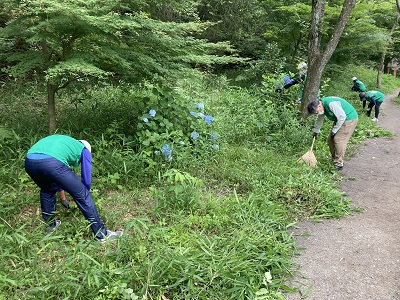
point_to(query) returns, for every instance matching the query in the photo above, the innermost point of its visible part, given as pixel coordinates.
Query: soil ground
(358, 257)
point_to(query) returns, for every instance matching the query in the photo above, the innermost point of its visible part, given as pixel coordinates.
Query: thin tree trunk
(381, 66)
(51, 91)
(317, 59)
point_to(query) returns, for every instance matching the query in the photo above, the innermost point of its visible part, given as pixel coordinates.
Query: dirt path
(358, 257)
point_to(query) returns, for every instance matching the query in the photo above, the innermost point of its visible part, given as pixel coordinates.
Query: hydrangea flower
(166, 150)
(286, 79)
(192, 113)
(194, 135)
(152, 112)
(145, 120)
(216, 147)
(181, 143)
(200, 105)
(213, 136)
(208, 119)
(201, 115)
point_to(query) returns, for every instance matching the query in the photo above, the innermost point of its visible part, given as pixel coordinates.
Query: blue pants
(377, 106)
(50, 174)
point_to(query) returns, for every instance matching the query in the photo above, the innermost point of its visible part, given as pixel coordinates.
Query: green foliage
(366, 35)
(181, 191)
(288, 25)
(171, 127)
(208, 225)
(72, 41)
(237, 21)
(268, 61)
(119, 291)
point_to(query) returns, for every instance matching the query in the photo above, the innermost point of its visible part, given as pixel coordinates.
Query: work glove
(315, 134)
(65, 203)
(333, 134)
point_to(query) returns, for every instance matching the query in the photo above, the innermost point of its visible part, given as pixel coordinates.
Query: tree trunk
(317, 59)
(51, 91)
(381, 66)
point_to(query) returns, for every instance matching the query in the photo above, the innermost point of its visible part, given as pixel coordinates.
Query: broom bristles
(309, 159)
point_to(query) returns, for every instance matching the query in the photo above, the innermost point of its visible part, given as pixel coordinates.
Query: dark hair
(312, 107)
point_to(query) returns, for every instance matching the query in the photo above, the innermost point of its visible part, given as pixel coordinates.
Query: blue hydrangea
(200, 105)
(192, 113)
(286, 79)
(152, 112)
(201, 115)
(194, 135)
(213, 136)
(145, 120)
(166, 150)
(216, 147)
(208, 119)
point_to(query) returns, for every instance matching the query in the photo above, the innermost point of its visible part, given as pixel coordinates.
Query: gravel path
(358, 257)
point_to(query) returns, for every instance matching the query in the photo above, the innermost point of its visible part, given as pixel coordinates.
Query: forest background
(194, 152)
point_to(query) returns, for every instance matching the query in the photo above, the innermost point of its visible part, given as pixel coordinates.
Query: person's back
(358, 85)
(348, 109)
(375, 98)
(378, 96)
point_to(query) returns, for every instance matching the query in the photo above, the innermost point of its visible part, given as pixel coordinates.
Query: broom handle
(312, 145)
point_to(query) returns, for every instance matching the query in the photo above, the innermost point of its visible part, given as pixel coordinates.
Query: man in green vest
(358, 85)
(375, 98)
(302, 67)
(344, 118)
(48, 163)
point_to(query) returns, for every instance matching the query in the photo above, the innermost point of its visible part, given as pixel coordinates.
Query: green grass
(208, 225)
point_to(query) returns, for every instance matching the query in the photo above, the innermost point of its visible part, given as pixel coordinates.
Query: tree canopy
(73, 42)
(67, 42)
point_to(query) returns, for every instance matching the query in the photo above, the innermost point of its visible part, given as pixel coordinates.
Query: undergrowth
(205, 203)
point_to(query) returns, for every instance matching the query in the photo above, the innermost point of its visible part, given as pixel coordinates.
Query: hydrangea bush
(172, 128)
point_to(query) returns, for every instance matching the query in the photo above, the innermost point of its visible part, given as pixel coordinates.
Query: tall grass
(210, 224)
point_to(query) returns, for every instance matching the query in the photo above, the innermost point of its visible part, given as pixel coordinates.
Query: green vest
(62, 147)
(351, 113)
(361, 85)
(379, 97)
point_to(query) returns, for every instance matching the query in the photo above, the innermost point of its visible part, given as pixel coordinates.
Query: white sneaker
(374, 120)
(111, 236)
(53, 228)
